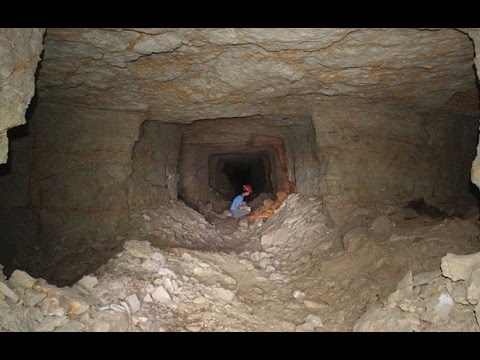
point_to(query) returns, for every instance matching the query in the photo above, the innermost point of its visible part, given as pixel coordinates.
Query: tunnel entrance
(229, 172)
(217, 157)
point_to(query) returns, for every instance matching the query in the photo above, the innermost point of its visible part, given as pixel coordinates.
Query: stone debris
(174, 224)
(429, 302)
(88, 282)
(459, 267)
(473, 287)
(279, 281)
(352, 239)
(298, 222)
(382, 225)
(133, 303)
(297, 294)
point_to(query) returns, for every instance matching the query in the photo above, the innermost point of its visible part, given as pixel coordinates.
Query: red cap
(248, 188)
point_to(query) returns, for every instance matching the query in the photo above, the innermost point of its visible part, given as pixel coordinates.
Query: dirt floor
(315, 265)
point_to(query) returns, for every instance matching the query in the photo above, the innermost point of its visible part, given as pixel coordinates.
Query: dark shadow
(473, 189)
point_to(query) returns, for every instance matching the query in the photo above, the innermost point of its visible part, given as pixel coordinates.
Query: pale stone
(438, 308)
(263, 263)
(426, 277)
(457, 290)
(407, 305)
(20, 51)
(305, 327)
(151, 265)
(270, 268)
(75, 305)
(325, 245)
(159, 258)
(200, 300)
(353, 238)
(314, 319)
(51, 306)
(21, 278)
(224, 294)
(100, 326)
(405, 286)
(459, 267)
(115, 321)
(280, 236)
(298, 294)
(49, 323)
(227, 280)
(392, 320)
(42, 286)
(256, 256)
(133, 303)
(88, 282)
(20, 319)
(193, 328)
(473, 287)
(166, 272)
(70, 326)
(286, 326)
(33, 297)
(248, 264)
(4, 289)
(444, 305)
(266, 240)
(161, 295)
(312, 304)
(169, 285)
(139, 249)
(382, 225)
(276, 277)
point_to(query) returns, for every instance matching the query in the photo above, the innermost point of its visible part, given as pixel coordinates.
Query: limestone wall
(307, 170)
(370, 153)
(19, 53)
(193, 170)
(475, 36)
(77, 171)
(154, 159)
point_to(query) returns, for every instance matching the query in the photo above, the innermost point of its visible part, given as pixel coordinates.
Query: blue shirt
(236, 202)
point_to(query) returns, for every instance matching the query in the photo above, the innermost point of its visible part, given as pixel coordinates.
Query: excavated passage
(147, 134)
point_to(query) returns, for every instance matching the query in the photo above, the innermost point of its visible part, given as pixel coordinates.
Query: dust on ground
(316, 265)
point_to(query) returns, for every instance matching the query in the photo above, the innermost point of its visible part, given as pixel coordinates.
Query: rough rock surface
(202, 72)
(301, 279)
(20, 52)
(475, 36)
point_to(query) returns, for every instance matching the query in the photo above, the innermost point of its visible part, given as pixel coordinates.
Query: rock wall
(155, 157)
(370, 154)
(193, 170)
(475, 36)
(308, 172)
(20, 52)
(76, 189)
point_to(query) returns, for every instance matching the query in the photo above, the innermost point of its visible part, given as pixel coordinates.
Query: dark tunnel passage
(229, 172)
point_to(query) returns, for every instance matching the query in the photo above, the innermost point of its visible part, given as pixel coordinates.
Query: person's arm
(236, 202)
